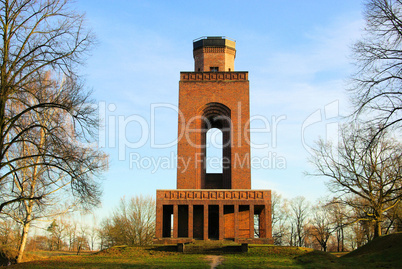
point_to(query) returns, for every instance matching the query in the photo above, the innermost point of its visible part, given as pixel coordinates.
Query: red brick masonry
(210, 76)
(232, 213)
(213, 205)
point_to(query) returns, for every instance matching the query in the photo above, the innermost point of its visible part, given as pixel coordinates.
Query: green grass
(279, 257)
(384, 252)
(123, 257)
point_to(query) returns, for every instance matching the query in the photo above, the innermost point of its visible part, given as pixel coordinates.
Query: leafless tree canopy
(45, 113)
(365, 171)
(132, 223)
(47, 119)
(378, 56)
(299, 213)
(322, 225)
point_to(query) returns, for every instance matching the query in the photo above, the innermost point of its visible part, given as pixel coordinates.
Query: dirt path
(215, 260)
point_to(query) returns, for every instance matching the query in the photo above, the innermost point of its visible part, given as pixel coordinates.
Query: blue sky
(298, 57)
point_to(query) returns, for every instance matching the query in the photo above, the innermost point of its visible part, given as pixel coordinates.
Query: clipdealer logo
(115, 126)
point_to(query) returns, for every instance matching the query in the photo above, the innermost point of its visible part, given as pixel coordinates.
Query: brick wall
(206, 57)
(193, 96)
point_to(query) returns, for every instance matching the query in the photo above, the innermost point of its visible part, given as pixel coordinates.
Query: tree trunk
(338, 237)
(343, 237)
(377, 229)
(24, 238)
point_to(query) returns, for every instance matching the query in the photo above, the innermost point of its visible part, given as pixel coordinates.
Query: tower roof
(214, 41)
(214, 54)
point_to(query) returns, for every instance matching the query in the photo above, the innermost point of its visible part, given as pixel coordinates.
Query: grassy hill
(384, 252)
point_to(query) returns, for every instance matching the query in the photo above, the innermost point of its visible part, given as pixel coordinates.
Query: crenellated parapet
(213, 195)
(213, 76)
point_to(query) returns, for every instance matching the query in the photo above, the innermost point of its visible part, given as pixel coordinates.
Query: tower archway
(216, 115)
(214, 151)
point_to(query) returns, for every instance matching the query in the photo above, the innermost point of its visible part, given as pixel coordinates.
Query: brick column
(263, 223)
(251, 221)
(236, 221)
(221, 222)
(205, 222)
(159, 220)
(266, 219)
(268, 233)
(190, 221)
(175, 221)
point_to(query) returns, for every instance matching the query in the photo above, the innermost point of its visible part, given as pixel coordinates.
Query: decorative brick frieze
(213, 194)
(213, 76)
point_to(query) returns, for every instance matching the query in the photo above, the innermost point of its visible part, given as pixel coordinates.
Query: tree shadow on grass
(199, 249)
(317, 259)
(167, 248)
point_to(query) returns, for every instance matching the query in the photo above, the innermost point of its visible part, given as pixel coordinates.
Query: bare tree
(365, 171)
(339, 220)
(44, 176)
(358, 234)
(107, 235)
(132, 223)
(321, 223)
(58, 231)
(39, 37)
(46, 117)
(280, 217)
(71, 233)
(9, 233)
(299, 212)
(378, 55)
(82, 239)
(93, 233)
(393, 219)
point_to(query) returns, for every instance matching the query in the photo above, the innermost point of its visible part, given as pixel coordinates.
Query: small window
(214, 69)
(199, 69)
(229, 70)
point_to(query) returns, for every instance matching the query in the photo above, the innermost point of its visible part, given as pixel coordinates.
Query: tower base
(243, 216)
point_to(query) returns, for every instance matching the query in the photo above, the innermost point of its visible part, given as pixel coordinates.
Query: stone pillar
(175, 221)
(236, 221)
(268, 234)
(159, 221)
(267, 222)
(263, 224)
(251, 221)
(221, 223)
(190, 221)
(206, 222)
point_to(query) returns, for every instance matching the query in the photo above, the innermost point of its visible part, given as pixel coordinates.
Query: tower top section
(214, 54)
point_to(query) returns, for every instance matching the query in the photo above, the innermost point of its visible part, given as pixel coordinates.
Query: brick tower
(213, 205)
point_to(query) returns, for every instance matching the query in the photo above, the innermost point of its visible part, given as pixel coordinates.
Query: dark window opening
(167, 223)
(183, 221)
(198, 222)
(214, 69)
(213, 222)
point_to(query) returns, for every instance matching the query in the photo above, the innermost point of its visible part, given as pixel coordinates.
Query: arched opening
(214, 151)
(216, 140)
